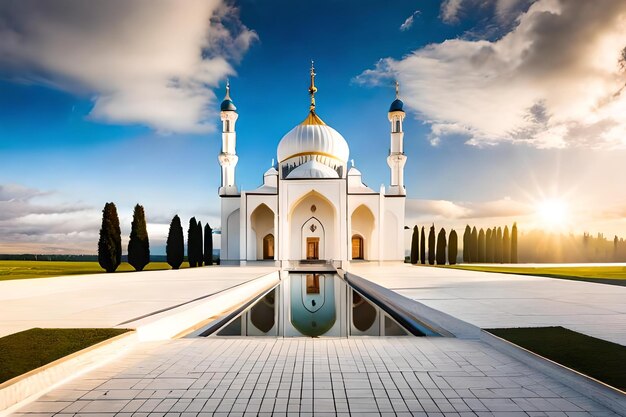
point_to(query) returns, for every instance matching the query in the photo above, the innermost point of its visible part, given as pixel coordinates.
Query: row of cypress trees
(199, 249)
(440, 250)
(492, 246)
(110, 241)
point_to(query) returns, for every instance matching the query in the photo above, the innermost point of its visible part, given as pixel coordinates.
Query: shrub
(441, 247)
(175, 246)
(191, 243)
(415, 245)
(208, 245)
(110, 242)
(452, 247)
(431, 245)
(138, 244)
(423, 246)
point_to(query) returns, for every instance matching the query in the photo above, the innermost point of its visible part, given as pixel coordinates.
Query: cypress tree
(199, 244)
(506, 246)
(208, 245)
(452, 247)
(415, 245)
(138, 244)
(423, 246)
(192, 242)
(466, 245)
(514, 243)
(441, 247)
(481, 246)
(498, 245)
(489, 246)
(175, 246)
(431, 245)
(110, 242)
(474, 244)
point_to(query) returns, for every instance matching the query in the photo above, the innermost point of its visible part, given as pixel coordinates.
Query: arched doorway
(268, 246)
(362, 223)
(262, 225)
(357, 247)
(312, 228)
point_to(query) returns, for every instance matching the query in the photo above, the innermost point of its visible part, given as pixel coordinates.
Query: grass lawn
(45, 269)
(615, 275)
(24, 351)
(597, 358)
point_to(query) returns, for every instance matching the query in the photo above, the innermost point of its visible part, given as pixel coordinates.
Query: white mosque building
(311, 205)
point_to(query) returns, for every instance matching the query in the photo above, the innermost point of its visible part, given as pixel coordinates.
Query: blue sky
(89, 114)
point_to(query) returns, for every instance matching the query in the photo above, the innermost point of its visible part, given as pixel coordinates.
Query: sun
(553, 213)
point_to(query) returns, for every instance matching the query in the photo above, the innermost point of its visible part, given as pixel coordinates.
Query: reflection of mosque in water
(314, 304)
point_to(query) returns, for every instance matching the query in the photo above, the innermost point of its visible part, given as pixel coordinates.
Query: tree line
(439, 249)
(492, 246)
(110, 241)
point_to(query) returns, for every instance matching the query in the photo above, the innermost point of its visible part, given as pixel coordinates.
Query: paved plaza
(106, 300)
(361, 376)
(404, 376)
(490, 300)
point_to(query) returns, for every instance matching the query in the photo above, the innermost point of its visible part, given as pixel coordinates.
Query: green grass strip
(24, 351)
(597, 358)
(615, 275)
(46, 269)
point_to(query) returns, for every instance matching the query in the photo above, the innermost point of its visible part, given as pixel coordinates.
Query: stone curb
(23, 388)
(171, 323)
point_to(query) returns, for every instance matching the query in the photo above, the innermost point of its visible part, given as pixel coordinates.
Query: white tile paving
(490, 300)
(105, 300)
(323, 377)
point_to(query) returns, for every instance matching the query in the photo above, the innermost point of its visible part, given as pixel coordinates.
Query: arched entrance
(362, 227)
(312, 229)
(357, 247)
(261, 244)
(268, 246)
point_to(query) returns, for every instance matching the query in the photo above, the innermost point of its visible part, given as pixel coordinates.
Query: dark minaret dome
(227, 104)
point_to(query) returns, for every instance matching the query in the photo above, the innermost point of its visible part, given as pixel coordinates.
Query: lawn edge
(607, 395)
(18, 391)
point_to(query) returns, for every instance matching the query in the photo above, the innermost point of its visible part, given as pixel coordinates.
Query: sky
(515, 108)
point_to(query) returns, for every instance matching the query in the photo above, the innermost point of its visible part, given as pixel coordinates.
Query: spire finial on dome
(227, 97)
(397, 89)
(312, 88)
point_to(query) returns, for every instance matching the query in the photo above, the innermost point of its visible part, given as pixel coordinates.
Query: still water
(313, 305)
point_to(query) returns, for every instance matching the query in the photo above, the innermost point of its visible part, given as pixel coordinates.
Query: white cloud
(435, 210)
(553, 81)
(503, 10)
(408, 23)
(450, 10)
(142, 61)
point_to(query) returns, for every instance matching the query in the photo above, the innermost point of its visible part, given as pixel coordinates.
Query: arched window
(268, 247)
(227, 129)
(397, 125)
(357, 247)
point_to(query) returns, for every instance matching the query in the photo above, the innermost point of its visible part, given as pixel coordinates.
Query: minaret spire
(397, 90)
(227, 97)
(312, 88)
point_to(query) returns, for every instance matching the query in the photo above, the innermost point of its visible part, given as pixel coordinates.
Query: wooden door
(357, 247)
(312, 247)
(268, 247)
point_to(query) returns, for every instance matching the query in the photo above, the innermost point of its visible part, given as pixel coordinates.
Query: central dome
(313, 140)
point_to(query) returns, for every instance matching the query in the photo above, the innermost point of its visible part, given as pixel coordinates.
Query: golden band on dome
(296, 155)
(312, 119)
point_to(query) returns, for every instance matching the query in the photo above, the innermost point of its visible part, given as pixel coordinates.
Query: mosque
(311, 206)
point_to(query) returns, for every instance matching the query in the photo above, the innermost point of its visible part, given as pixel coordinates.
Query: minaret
(396, 159)
(228, 157)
